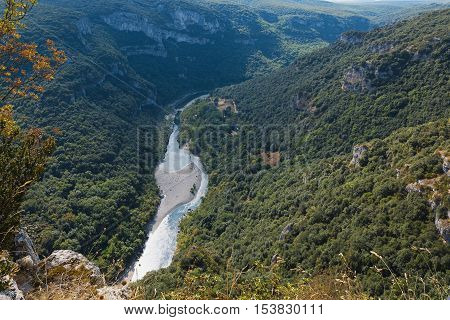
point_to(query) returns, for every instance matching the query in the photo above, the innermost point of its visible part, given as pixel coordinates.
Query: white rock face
(12, 292)
(71, 260)
(182, 19)
(125, 21)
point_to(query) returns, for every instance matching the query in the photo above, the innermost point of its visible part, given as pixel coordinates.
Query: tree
(23, 74)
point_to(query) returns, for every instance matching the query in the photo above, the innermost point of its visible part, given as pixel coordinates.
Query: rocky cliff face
(435, 189)
(183, 19)
(125, 21)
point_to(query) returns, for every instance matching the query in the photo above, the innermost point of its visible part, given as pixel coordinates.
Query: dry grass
(414, 287)
(62, 284)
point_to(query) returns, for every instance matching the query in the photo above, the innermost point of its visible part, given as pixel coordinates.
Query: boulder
(12, 292)
(26, 263)
(24, 247)
(76, 262)
(413, 187)
(274, 259)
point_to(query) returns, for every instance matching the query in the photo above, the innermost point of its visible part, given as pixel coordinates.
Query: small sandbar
(176, 188)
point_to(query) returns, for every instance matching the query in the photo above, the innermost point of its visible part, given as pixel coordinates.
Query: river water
(161, 244)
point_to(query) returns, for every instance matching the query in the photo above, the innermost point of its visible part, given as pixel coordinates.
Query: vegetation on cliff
(322, 209)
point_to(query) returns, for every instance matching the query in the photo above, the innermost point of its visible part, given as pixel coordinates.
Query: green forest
(321, 209)
(92, 197)
(325, 137)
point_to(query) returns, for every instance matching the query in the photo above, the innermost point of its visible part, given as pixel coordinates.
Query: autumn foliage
(23, 70)
(23, 74)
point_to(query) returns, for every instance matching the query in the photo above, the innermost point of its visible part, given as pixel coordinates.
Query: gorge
(183, 183)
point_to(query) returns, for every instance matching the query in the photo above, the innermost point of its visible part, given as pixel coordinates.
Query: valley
(350, 135)
(221, 149)
(183, 183)
(93, 197)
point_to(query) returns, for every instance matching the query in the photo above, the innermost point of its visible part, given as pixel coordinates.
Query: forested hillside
(126, 60)
(337, 163)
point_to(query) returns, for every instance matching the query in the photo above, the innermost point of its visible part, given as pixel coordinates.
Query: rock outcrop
(384, 47)
(356, 79)
(301, 102)
(70, 261)
(125, 21)
(433, 188)
(352, 37)
(182, 19)
(12, 292)
(358, 153)
(443, 227)
(24, 247)
(286, 230)
(445, 162)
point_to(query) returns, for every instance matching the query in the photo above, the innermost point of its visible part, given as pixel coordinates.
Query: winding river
(183, 183)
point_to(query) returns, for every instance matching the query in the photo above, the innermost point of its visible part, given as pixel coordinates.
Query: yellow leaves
(28, 52)
(23, 70)
(57, 55)
(42, 64)
(49, 77)
(8, 126)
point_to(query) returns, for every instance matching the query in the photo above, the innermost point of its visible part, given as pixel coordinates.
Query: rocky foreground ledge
(64, 274)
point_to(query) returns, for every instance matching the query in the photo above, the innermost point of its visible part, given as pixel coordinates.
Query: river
(183, 183)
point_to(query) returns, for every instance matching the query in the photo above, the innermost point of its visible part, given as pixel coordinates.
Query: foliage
(64, 284)
(245, 42)
(333, 208)
(317, 206)
(93, 198)
(23, 70)
(22, 159)
(254, 282)
(22, 154)
(7, 270)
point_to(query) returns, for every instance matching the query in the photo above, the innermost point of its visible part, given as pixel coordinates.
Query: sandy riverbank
(182, 183)
(176, 188)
